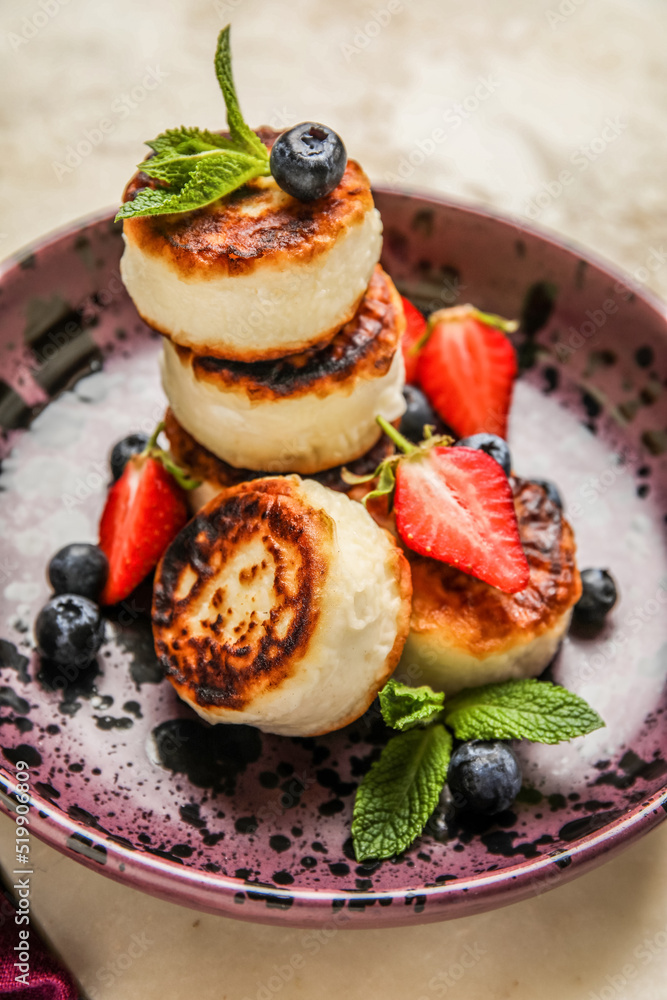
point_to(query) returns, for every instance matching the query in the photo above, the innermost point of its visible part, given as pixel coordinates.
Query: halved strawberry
(467, 368)
(144, 512)
(415, 329)
(455, 505)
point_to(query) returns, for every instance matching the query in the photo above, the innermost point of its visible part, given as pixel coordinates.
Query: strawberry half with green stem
(415, 328)
(144, 512)
(455, 505)
(467, 367)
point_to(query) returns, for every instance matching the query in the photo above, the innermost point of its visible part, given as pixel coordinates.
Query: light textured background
(551, 109)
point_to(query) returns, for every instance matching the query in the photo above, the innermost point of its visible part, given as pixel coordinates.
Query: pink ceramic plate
(128, 781)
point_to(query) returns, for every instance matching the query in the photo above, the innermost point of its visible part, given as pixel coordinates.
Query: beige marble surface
(553, 109)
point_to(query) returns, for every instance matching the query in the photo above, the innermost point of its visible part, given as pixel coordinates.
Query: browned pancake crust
(481, 619)
(203, 464)
(205, 667)
(363, 349)
(220, 239)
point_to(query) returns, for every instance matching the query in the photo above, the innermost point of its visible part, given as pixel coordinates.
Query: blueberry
(418, 413)
(69, 630)
(308, 161)
(493, 445)
(484, 777)
(598, 597)
(123, 450)
(552, 491)
(79, 568)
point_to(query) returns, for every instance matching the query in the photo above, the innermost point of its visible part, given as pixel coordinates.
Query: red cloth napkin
(45, 979)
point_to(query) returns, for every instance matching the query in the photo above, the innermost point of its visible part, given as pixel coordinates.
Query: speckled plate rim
(216, 894)
(219, 894)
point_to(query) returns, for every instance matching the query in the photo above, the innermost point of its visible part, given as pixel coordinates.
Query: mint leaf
(405, 707)
(184, 141)
(400, 792)
(238, 129)
(529, 709)
(196, 167)
(208, 180)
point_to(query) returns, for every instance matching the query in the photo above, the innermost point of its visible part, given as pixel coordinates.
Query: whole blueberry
(493, 445)
(418, 413)
(552, 491)
(599, 595)
(483, 777)
(79, 568)
(69, 630)
(122, 452)
(308, 161)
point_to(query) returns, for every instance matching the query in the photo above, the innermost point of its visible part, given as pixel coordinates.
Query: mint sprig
(400, 792)
(521, 710)
(405, 707)
(402, 788)
(195, 167)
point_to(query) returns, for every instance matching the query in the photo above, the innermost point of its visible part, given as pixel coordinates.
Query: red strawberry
(415, 329)
(144, 512)
(455, 505)
(467, 369)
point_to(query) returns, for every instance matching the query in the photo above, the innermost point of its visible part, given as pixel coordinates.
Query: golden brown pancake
(363, 349)
(248, 228)
(282, 605)
(256, 274)
(203, 465)
(464, 632)
(304, 413)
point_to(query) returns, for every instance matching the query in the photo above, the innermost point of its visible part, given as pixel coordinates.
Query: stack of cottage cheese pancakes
(281, 330)
(282, 604)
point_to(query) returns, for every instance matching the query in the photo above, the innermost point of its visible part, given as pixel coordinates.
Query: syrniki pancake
(464, 633)
(282, 605)
(256, 274)
(214, 475)
(302, 413)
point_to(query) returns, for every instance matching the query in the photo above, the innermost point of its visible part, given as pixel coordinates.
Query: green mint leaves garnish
(402, 788)
(196, 167)
(400, 792)
(405, 707)
(521, 710)
(243, 136)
